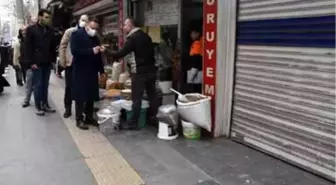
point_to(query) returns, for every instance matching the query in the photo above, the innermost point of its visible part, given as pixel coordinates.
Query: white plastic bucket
(108, 123)
(166, 132)
(198, 112)
(165, 86)
(191, 131)
(127, 105)
(113, 119)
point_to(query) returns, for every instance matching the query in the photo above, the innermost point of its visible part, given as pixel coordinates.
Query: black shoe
(25, 104)
(81, 125)
(40, 112)
(91, 121)
(47, 109)
(129, 126)
(20, 84)
(67, 113)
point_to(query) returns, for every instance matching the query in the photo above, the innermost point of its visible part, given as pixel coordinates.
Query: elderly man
(65, 58)
(143, 70)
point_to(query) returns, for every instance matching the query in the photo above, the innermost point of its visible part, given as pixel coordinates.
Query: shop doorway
(191, 20)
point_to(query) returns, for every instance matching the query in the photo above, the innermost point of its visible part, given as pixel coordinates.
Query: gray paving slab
(155, 160)
(36, 150)
(205, 162)
(232, 163)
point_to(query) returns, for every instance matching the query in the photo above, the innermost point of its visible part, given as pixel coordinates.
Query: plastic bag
(197, 111)
(168, 114)
(116, 71)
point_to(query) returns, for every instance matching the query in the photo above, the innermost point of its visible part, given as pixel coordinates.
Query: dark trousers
(141, 82)
(83, 108)
(20, 74)
(68, 83)
(60, 69)
(41, 77)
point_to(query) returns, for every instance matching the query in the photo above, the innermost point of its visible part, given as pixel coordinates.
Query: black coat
(5, 54)
(86, 66)
(140, 44)
(40, 45)
(3, 81)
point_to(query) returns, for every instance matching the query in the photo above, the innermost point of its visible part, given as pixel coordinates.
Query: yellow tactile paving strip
(104, 161)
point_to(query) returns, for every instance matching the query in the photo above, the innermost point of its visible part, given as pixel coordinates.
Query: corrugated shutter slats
(284, 93)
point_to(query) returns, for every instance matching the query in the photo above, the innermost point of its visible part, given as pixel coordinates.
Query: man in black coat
(40, 53)
(143, 70)
(87, 65)
(3, 81)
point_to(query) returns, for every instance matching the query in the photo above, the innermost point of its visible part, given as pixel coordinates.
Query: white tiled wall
(164, 12)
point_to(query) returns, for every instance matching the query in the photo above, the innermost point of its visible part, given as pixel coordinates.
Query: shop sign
(209, 52)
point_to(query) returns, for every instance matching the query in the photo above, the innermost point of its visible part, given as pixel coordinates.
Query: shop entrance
(191, 21)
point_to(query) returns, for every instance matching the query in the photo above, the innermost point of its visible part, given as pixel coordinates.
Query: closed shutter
(284, 94)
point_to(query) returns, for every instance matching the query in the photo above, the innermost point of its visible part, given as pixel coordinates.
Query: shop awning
(102, 7)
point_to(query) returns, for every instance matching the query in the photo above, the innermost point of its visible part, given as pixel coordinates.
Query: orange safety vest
(197, 47)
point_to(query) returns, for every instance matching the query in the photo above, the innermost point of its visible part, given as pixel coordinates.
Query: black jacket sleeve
(29, 47)
(53, 51)
(101, 62)
(125, 50)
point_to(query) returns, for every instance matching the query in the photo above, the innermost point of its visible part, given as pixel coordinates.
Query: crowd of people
(81, 56)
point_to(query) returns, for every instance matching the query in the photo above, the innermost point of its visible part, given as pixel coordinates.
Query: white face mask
(82, 24)
(91, 32)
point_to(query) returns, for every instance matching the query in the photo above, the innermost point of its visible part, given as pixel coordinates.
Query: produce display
(112, 93)
(126, 93)
(114, 85)
(102, 81)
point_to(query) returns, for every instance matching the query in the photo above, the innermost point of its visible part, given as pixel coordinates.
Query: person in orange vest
(194, 74)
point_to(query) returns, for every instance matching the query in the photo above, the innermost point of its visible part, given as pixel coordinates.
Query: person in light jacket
(65, 58)
(18, 55)
(23, 71)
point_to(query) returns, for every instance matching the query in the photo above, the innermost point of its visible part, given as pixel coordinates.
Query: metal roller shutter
(284, 94)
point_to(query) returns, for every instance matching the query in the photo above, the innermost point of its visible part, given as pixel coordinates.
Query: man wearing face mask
(87, 64)
(40, 53)
(65, 58)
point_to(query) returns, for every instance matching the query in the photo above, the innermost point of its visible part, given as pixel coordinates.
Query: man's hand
(34, 66)
(102, 49)
(96, 49)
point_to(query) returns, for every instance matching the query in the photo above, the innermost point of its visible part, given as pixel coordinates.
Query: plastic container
(142, 118)
(165, 86)
(108, 119)
(127, 105)
(117, 104)
(191, 131)
(166, 132)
